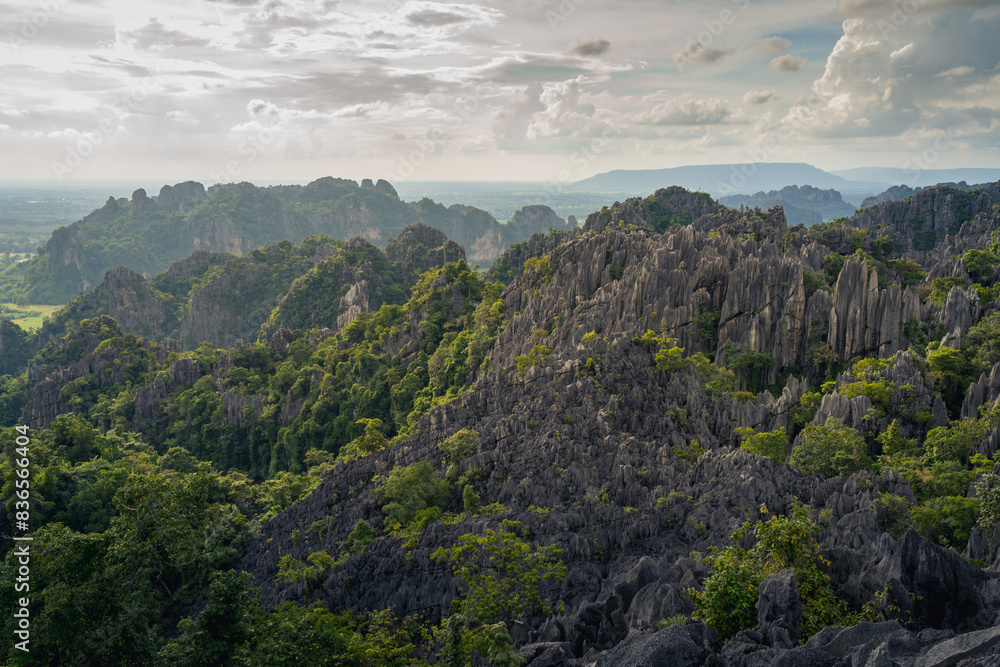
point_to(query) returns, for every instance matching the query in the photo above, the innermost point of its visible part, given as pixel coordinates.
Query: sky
(541, 90)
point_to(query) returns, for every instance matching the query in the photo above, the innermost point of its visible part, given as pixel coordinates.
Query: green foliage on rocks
(728, 601)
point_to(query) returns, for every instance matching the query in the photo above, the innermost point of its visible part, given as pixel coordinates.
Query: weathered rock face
(924, 219)
(810, 205)
(866, 321)
(127, 297)
(779, 610)
(181, 196)
(100, 365)
(61, 267)
(895, 193)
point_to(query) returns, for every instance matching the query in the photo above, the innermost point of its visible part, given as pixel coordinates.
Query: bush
(362, 535)
(371, 441)
(728, 602)
(892, 513)
(539, 356)
(470, 499)
(459, 446)
(772, 444)
(947, 521)
(502, 573)
(407, 491)
(832, 449)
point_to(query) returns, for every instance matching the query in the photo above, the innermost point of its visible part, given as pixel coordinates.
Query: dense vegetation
(155, 470)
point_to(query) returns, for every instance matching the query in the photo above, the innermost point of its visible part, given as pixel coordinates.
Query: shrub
(772, 444)
(459, 446)
(892, 513)
(729, 599)
(832, 449)
(407, 491)
(502, 573)
(362, 535)
(947, 520)
(538, 356)
(470, 499)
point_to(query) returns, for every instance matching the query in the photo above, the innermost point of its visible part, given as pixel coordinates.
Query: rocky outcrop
(180, 197)
(895, 193)
(126, 296)
(419, 248)
(532, 220)
(665, 209)
(919, 222)
(867, 321)
(810, 205)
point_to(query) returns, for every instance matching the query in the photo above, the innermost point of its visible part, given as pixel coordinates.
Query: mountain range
(747, 178)
(681, 434)
(146, 234)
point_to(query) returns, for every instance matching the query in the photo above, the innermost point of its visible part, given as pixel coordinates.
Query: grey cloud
(154, 35)
(590, 48)
(787, 64)
(696, 52)
(775, 45)
(510, 127)
(430, 17)
(880, 8)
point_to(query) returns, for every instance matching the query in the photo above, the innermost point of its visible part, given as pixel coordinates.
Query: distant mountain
(147, 234)
(897, 192)
(802, 205)
(918, 177)
(722, 179)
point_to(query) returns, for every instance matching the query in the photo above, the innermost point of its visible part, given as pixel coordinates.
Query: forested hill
(147, 234)
(680, 425)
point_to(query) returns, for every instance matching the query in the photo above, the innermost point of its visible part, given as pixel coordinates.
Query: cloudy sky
(216, 90)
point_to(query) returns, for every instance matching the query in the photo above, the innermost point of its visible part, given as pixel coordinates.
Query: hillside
(582, 426)
(147, 234)
(806, 205)
(721, 179)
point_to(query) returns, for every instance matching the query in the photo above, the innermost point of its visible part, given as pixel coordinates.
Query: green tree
(407, 491)
(502, 573)
(371, 441)
(729, 598)
(749, 365)
(216, 636)
(460, 445)
(833, 449)
(772, 444)
(947, 520)
(981, 344)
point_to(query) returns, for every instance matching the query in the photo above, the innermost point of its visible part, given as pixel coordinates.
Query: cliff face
(126, 296)
(926, 218)
(59, 270)
(894, 193)
(420, 248)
